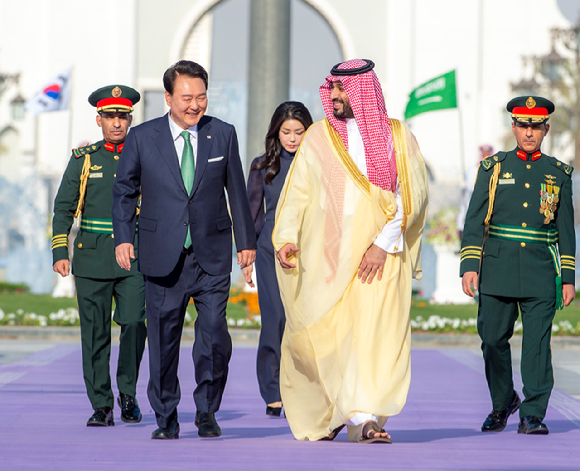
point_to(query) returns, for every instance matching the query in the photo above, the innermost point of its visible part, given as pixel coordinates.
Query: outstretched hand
(285, 253)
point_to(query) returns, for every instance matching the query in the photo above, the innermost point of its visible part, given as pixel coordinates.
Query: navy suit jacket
(149, 166)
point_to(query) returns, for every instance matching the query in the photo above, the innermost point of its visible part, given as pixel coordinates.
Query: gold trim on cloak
(347, 161)
(400, 143)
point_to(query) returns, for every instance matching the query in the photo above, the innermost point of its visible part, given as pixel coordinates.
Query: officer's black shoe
(207, 425)
(532, 426)
(171, 432)
(497, 420)
(273, 411)
(102, 417)
(130, 412)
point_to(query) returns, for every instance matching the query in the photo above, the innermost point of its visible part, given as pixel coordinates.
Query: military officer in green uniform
(86, 193)
(524, 197)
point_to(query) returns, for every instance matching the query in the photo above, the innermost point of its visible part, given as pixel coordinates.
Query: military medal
(549, 198)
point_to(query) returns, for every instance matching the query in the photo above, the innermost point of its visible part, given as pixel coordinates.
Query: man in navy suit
(181, 164)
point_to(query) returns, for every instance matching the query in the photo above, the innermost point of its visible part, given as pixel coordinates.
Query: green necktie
(187, 173)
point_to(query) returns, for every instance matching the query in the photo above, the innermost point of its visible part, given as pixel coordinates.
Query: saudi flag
(436, 94)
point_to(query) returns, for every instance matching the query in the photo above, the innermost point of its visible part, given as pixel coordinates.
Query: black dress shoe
(273, 411)
(532, 426)
(130, 412)
(171, 432)
(102, 417)
(207, 425)
(497, 419)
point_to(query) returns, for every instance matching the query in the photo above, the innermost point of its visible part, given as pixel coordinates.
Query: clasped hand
(373, 263)
(62, 267)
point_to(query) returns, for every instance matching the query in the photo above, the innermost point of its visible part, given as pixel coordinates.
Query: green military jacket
(517, 268)
(94, 249)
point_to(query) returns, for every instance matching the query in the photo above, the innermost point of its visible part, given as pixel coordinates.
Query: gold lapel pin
(209, 137)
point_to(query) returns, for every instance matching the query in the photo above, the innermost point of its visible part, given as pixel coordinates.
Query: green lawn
(452, 311)
(46, 304)
(41, 304)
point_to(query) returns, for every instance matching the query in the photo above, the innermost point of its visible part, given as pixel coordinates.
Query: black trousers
(167, 298)
(495, 324)
(273, 322)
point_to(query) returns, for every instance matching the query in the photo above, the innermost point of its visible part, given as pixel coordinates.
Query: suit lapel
(204, 143)
(164, 142)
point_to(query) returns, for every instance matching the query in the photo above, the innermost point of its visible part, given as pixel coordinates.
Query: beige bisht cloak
(346, 347)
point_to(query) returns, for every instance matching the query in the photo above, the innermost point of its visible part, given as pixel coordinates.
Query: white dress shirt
(390, 239)
(178, 141)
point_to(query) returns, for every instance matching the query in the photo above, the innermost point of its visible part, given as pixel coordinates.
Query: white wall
(41, 38)
(411, 41)
(446, 37)
(99, 39)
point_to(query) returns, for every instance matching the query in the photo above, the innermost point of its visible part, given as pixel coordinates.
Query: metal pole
(71, 108)
(269, 70)
(479, 91)
(461, 144)
(412, 43)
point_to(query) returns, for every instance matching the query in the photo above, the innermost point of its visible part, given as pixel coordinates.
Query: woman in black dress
(267, 175)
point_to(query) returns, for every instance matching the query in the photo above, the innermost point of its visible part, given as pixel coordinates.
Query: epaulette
(88, 149)
(490, 161)
(567, 169)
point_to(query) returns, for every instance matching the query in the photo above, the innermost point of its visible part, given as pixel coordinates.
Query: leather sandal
(372, 426)
(333, 434)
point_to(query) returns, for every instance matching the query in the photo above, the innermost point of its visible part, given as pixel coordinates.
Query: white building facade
(134, 41)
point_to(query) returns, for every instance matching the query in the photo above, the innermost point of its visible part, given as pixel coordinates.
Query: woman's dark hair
(271, 161)
(183, 67)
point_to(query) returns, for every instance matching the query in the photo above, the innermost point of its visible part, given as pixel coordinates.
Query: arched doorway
(319, 40)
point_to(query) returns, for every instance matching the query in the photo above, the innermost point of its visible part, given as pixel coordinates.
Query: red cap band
(537, 111)
(114, 101)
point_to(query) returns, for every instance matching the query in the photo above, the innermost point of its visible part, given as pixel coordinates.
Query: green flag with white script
(436, 94)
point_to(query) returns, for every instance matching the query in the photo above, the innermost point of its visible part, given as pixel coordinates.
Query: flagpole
(461, 133)
(70, 109)
(413, 41)
(461, 144)
(36, 141)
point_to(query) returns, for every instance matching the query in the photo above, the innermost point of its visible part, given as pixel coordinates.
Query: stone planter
(447, 282)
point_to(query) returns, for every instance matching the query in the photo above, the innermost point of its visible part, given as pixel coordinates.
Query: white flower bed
(70, 317)
(63, 317)
(445, 324)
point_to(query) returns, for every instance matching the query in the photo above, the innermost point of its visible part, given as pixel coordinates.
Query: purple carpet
(44, 409)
